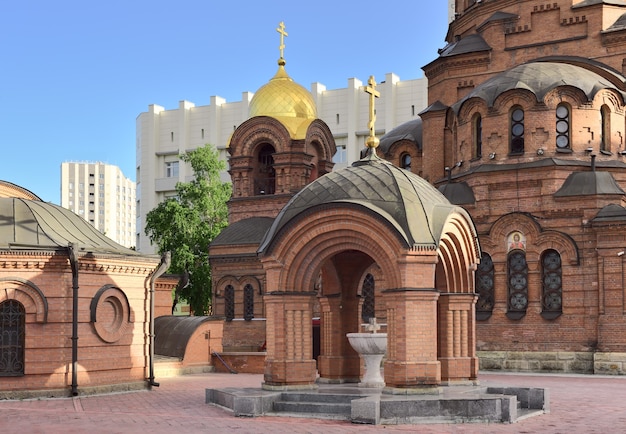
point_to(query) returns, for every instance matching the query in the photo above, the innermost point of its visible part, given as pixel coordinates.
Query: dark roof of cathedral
(611, 213)
(29, 224)
(540, 78)
(411, 130)
(499, 16)
(458, 193)
(598, 2)
(469, 44)
(589, 183)
(411, 205)
(246, 231)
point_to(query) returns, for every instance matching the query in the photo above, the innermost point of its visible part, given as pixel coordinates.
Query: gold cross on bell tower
(281, 30)
(372, 141)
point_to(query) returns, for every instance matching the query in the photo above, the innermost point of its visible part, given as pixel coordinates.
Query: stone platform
(453, 404)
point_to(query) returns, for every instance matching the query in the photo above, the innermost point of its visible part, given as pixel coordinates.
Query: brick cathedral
(523, 136)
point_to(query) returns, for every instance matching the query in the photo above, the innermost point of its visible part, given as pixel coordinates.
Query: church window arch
(477, 136)
(517, 273)
(12, 333)
(605, 128)
(368, 309)
(484, 283)
(517, 130)
(563, 127)
(265, 176)
(552, 284)
(229, 302)
(248, 302)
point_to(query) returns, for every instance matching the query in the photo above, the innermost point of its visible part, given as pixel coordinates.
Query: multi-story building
(162, 135)
(102, 195)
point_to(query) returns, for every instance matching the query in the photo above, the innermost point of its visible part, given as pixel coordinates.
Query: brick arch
(471, 106)
(258, 130)
(569, 94)
(304, 245)
(522, 97)
(561, 242)
(224, 282)
(611, 98)
(459, 254)
(27, 293)
(506, 224)
(319, 135)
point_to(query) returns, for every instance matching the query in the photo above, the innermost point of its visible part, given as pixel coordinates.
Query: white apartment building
(162, 135)
(102, 195)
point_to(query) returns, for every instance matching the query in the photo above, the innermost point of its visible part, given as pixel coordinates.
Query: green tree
(186, 224)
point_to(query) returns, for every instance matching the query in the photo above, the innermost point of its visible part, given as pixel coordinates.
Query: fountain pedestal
(372, 347)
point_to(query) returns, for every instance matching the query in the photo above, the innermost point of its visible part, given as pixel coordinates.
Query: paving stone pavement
(579, 404)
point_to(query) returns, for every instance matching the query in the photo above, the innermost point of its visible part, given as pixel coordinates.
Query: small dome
(285, 100)
(416, 209)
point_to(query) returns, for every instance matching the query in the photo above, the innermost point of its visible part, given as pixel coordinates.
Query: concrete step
(321, 409)
(329, 398)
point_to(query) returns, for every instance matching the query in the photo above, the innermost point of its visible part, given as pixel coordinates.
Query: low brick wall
(242, 362)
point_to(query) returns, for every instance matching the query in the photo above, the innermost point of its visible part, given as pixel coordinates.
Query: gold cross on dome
(371, 89)
(281, 30)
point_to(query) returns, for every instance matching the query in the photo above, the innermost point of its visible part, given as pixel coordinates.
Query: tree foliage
(186, 224)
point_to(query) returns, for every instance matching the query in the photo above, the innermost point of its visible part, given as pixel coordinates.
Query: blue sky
(76, 74)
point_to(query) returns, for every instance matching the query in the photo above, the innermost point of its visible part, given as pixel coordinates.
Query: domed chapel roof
(416, 209)
(284, 100)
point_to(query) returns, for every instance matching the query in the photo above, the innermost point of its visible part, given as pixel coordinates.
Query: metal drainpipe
(166, 259)
(74, 265)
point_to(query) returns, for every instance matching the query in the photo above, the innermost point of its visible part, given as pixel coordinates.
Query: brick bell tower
(279, 149)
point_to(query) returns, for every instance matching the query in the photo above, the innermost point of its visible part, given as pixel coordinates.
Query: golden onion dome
(286, 101)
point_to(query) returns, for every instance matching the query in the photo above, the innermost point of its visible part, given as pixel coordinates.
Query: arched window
(265, 181)
(248, 302)
(12, 327)
(562, 127)
(367, 292)
(517, 130)
(517, 284)
(605, 121)
(405, 162)
(552, 288)
(484, 278)
(477, 134)
(229, 302)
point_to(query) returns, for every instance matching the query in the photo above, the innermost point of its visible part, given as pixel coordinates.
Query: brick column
(457, 337)
(412, 339)
(289, 362)
(337, 362)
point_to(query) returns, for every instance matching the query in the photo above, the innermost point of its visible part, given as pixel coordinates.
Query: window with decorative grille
(517, 284)
(484, 287)
(12, 327)
(248, 302)
(229, 302)
(552, 291)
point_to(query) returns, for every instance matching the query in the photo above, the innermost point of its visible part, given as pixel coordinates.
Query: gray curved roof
(411, 130)
(29, 224)
(415, 208)
(539, 78)
(172, 333)
(458, 193)
(469, 44)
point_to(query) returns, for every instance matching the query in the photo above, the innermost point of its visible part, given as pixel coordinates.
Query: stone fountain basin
(368, 343)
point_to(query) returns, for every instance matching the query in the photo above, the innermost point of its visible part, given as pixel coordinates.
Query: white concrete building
(162, 135)
(102, 195)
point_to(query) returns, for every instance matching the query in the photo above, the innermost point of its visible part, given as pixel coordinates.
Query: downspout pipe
(166, 259)
(71, 253)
